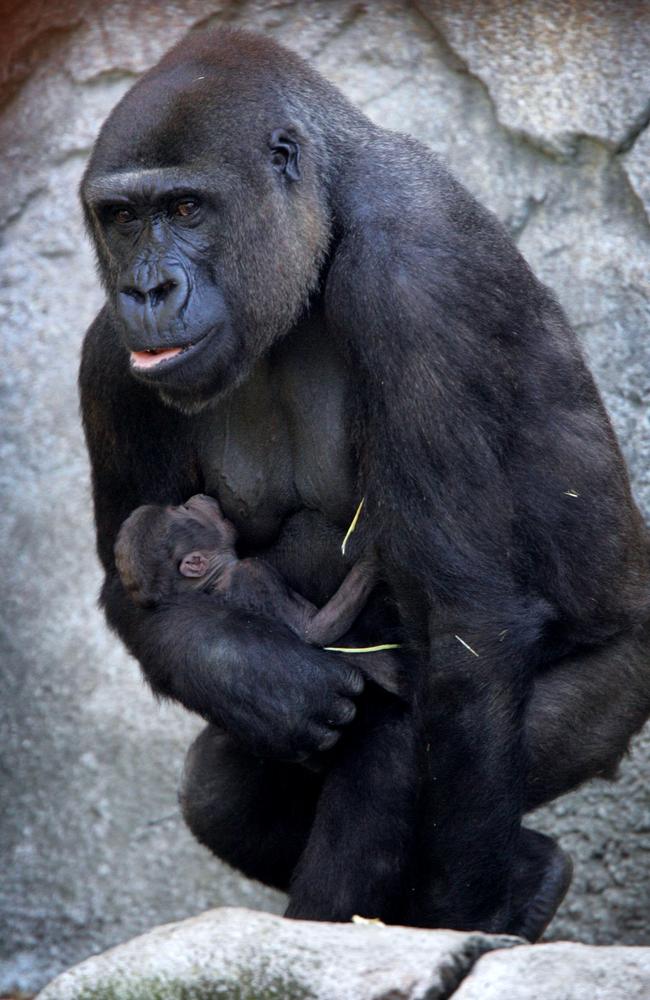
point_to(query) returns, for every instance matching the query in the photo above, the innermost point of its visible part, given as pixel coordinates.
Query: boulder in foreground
(562, 971)
(236, 954)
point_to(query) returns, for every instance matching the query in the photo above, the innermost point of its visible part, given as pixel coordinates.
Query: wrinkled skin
(302, 310)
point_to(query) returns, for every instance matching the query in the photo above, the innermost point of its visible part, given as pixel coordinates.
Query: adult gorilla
(304, 309)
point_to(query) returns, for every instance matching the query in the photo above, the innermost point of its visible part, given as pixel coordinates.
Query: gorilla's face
(159, 230)
(208, 262)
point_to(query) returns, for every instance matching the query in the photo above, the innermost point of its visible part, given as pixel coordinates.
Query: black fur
(366, 329)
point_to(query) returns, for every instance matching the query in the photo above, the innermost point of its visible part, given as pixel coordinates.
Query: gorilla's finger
(341, 712)
(350, 681)
(324, 737)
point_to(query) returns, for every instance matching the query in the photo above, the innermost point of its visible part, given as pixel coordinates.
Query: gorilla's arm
(273, 693)
(482, 430)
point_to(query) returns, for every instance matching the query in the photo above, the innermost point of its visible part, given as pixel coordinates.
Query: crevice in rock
(643, 209)
(39, 188)
(635, 130)
(116, 74)
(385, 93)
(234, 14)
(60, 158)
(450, 58)
(228, 17)
(356, 13)
(17, 208)
(455, 62)
(516, 222)
(454, 973)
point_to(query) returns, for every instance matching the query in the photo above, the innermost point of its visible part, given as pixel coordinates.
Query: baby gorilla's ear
(194, 564)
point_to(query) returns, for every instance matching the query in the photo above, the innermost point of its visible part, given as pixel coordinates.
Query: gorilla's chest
(279, 445)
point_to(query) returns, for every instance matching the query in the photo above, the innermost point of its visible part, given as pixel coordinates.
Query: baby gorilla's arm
(254, 585)
(257, 586)
(339, 614)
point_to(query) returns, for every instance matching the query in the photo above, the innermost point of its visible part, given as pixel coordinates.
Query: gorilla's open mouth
(153, 356)
(163, 357)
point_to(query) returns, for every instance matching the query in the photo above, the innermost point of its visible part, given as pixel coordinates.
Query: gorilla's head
(206, 197)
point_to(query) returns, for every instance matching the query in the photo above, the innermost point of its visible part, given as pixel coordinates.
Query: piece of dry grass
(467, 646)
(352, 526)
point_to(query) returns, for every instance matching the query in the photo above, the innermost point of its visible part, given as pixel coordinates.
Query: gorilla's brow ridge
(162, 180)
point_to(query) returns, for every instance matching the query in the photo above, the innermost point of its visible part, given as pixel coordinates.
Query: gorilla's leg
(257, 815)
(254, 814)
(582, 714)
(541, 876)
(355, 857)
(578, 723)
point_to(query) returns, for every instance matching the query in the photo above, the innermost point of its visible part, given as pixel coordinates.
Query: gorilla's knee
(253, 814)
(202, 794)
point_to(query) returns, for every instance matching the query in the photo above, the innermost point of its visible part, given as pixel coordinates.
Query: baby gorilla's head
(161, 551)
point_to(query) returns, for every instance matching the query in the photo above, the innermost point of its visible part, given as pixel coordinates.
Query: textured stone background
(542, 110)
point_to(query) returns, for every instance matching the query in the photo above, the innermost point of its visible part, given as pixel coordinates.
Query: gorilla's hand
(274, 694)
(282, 698)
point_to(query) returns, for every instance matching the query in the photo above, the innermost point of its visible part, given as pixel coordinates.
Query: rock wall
(541, 108)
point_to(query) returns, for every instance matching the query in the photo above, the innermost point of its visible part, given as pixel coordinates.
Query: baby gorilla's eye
(185, 208)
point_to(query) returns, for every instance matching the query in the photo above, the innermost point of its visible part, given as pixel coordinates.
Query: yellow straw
(352, 526)
(363, 649)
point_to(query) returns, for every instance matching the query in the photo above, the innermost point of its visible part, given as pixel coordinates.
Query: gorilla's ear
(194, 564)
(285, 154)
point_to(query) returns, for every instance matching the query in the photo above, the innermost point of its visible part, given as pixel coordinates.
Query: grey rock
(249, 956)
(561, 971)
(637, 167)
(556, 69)
(92, 848)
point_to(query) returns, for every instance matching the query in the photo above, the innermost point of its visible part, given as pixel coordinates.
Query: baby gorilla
(368, 782)
(162, 551)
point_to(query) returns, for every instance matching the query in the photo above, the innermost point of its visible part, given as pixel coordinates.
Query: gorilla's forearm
(277, 696)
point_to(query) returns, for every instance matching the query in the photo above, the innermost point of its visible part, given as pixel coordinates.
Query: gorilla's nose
(153, 297)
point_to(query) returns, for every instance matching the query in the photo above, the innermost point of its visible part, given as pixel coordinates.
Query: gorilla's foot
(542, 876)
(309, 908)
(334, 906)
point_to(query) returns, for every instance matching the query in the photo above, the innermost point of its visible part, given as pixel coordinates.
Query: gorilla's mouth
(154, 356)
(163, 357)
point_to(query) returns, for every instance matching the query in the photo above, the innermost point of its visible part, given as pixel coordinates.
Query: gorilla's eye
(186, 208)
(123, 215)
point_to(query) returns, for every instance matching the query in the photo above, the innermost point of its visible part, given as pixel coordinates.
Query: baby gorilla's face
(161, 551)
(204, 537)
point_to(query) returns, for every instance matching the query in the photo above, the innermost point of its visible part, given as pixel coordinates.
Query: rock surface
(240, 955)
(252, 956)
(563, 971)
(553, 69)
(540, 112)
